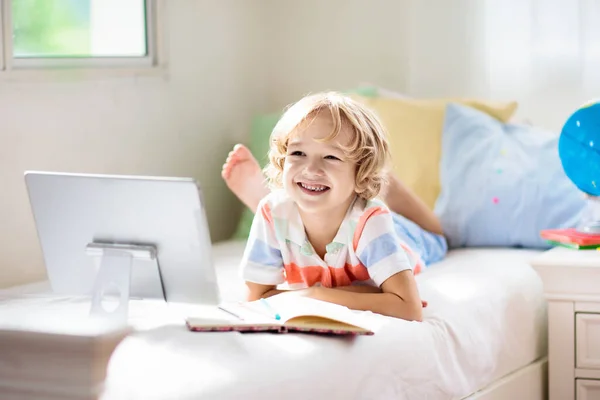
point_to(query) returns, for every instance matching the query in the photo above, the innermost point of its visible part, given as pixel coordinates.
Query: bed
(483, 337)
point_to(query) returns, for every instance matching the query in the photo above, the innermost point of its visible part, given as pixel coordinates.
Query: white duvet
(486, 318)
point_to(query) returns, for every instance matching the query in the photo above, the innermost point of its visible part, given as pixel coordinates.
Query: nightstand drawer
(587, 389)
(587, 340)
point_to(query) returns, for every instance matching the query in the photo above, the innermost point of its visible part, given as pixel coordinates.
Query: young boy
(320, 230)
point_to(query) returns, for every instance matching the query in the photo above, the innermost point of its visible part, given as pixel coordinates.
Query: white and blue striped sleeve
(379, 249)
(262, 261)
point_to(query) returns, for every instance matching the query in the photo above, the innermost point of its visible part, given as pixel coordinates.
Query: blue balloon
(579, 148)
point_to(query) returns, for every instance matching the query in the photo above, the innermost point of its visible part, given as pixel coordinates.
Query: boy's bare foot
(244, 177)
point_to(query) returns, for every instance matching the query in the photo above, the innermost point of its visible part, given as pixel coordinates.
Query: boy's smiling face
(317, 175)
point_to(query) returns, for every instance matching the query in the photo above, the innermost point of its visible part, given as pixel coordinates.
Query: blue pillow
(501, 183)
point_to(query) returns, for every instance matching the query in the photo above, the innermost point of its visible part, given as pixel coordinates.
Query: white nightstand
(572, 287)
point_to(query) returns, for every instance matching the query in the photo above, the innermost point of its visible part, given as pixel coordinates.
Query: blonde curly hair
(368, 148)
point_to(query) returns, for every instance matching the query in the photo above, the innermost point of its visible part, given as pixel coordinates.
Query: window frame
(149, 64)
(2, 35)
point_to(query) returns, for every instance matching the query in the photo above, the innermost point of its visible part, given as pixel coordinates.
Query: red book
(571, 235)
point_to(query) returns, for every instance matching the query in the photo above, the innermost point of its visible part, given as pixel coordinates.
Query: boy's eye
(296, 153)
(332, 158)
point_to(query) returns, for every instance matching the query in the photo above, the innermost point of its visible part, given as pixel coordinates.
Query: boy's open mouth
(312, 188)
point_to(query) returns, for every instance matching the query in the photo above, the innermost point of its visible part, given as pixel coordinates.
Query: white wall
(182, 124)
(444, 50)
(318, 45)
(499, 50)
(540, 53)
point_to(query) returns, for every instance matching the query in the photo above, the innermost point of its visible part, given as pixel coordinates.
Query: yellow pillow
(415, 134)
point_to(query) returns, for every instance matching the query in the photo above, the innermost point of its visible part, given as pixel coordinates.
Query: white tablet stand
(114, 277)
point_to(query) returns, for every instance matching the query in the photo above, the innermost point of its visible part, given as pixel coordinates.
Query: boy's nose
(314, 167)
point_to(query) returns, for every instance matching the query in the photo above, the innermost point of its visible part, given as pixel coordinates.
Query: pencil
(268, 306)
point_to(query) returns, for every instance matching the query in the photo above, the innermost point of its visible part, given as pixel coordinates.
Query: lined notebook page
(290, 306)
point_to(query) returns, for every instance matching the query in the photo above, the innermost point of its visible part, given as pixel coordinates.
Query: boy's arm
(257, 291)
(262, 265)
(400, 298)
(389, 264)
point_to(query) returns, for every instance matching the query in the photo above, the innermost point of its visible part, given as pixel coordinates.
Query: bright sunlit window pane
(79, 28)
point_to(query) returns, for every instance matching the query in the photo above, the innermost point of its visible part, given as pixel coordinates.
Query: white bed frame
(529, 382)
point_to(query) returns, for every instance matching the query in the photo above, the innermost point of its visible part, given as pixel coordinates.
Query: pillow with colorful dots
(501, 183)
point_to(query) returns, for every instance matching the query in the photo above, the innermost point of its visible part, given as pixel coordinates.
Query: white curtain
(543, 53)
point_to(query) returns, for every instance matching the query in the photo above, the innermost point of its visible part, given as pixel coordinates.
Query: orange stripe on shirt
(266, 213)
(362, 221)
(417, 269)
(326, 276)
(418, 265)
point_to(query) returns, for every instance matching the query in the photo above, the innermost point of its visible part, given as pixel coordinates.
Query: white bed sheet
(486, 318)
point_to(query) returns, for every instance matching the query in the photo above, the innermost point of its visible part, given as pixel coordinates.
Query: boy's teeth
(318, 188)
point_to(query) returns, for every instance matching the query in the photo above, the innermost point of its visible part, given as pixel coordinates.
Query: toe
(241, 152)
(226, 170)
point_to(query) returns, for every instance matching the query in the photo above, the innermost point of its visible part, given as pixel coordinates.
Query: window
(76, 34)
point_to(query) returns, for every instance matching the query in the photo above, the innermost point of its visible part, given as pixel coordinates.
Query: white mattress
(486, 318)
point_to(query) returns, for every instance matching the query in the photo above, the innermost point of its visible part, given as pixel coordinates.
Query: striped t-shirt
(365, 250)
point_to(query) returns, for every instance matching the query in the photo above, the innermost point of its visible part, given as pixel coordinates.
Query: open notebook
(284, 313)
